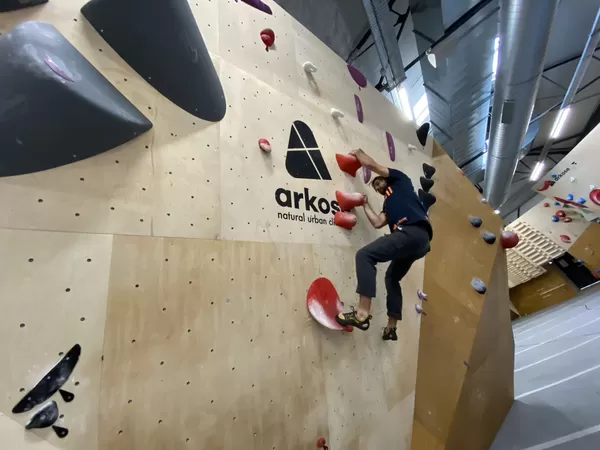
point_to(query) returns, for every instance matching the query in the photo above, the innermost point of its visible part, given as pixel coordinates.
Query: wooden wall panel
(54, 288)
(587, 247)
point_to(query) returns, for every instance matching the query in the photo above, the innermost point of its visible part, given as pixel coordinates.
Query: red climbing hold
(348, 163)
(347, 200)
(268, 37)
(322, 443)
(567, 220)
(595, 196)
(509, 239)
(566, 239)
(546, 205)
(560, 213)
(344, 220)
(323, 303)
(264, 145)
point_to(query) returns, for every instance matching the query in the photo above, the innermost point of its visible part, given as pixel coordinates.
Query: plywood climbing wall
(180, 261)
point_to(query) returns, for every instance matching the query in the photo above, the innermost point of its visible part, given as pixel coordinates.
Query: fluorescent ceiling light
(404, 103)
(560, 122)
(431, 58)
(496, 52)
(421, 110)
(537, 171)
(497, 211)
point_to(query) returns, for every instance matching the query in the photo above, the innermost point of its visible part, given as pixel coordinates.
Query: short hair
(375, 179)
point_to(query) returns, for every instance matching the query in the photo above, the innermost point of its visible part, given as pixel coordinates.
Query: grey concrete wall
(557, 379)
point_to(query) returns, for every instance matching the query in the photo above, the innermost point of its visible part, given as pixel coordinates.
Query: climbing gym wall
(165, 268)
(466, 349)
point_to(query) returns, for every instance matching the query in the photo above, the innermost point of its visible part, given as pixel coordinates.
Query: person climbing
(406, 215)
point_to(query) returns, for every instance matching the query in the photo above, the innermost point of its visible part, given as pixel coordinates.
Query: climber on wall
(406, 215)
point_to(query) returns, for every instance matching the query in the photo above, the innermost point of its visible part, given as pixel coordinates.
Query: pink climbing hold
(595, 196)
(567, 220)
(566, 239)
(357, 76)
(391, 146)
(359, 109)
(366, 174)
(264, 145)
(348, 163)
(344, 220)
(322, 443)
(546, 205)
(347, 201)
(268, 37)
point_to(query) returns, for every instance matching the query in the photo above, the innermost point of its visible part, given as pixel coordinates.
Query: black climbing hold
(66, 395)
(60, 431)
(161, 41)
(426, 183)
(44, 417)
(55, 107)
(475, 221)
(422, 133)
(478, 285)
(51, 382)
(11, 5)
(304, 159)
(428, 170)
(427, 199)
(488, 237)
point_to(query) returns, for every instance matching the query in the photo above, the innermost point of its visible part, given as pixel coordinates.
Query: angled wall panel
(161, 41)
(55, 107)
(12, 5)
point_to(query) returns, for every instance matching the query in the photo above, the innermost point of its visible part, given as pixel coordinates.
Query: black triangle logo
(304, 159)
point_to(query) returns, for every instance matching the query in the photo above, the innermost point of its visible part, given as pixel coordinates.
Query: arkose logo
(303, 200)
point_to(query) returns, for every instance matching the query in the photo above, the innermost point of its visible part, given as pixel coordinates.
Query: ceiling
(459, 89)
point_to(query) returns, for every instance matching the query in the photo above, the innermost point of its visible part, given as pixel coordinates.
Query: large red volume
(344, 220)
(348, 163)
(323, 303)
(348, 200)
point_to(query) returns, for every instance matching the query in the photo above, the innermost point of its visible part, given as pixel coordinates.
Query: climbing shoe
(389, 334)
(426, 183)
(427, 199)
(350, 319)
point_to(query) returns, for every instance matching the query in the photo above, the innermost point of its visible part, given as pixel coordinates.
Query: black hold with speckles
(44, 417)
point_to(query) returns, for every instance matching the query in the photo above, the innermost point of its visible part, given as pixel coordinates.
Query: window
(421, 110)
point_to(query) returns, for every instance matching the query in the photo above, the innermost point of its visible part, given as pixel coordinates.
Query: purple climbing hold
(466, 364)
(475, 221)
(357, 76)
(391, 146)
(419, 309)
(359, 108)
(488, 237)
(422, 295)
(366, 174)
(259, 5)
(478, 285)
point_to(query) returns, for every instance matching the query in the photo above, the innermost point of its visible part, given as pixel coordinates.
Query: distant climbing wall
(466, 349)
(180, 260)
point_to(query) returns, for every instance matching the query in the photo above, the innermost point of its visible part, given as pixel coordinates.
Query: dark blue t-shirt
(402, 205)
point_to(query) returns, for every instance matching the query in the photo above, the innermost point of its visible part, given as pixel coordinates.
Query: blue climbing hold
(581, 200)
(580, 261)
(570, 197)
(555, 219)
(554, 175)
(556, 204)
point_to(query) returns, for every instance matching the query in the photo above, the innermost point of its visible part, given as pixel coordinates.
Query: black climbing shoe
(427, 199)
(389, 334)
(428, 170)
(350, 319)
(426, 183)
(422, 133)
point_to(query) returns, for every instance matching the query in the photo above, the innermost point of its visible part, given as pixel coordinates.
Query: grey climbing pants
(403, 247)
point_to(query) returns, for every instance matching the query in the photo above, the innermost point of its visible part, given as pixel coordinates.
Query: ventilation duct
(386, 43)
(524, 32)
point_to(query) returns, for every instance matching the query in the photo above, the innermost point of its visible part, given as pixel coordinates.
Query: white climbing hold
(572, 179)
(309, 67)
(592, 187)
(336, 113)
(483, 200)
(411, 147)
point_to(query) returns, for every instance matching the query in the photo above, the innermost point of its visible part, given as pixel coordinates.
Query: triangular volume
(11, 5)
(161, 41)
(56, 107)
